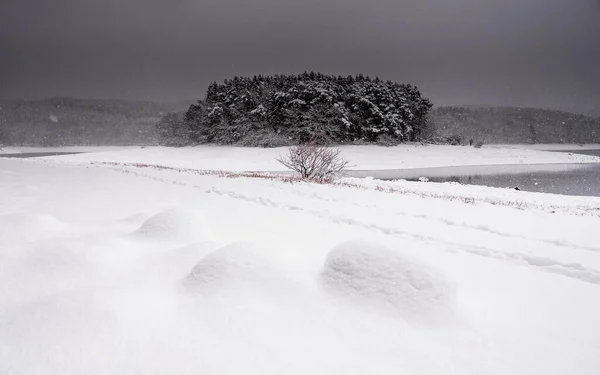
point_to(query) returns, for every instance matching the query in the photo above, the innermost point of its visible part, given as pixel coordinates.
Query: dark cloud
(512, 52)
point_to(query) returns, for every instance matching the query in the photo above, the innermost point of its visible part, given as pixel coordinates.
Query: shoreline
(361, 158)
(523, 146)
(547, 146)
(476, 170)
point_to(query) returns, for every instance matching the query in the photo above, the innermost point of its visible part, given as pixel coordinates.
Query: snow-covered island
(138, 260)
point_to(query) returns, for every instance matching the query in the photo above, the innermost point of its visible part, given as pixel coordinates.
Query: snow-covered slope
(66, 149)
(360, 157)
(116, 270)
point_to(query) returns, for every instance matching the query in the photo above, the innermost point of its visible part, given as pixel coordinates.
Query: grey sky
(511, 52)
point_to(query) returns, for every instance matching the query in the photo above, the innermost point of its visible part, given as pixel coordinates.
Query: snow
(30, 227)
(360, 157)
(112, 269)
(509, 197)
(366, 271)
(175, 224)
(235, 266)
(66, 149)
(548, 146)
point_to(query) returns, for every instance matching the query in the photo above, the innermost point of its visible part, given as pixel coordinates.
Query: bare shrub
(313, 162)
(478, 144)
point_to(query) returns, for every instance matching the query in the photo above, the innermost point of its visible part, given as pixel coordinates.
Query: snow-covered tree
(309, 107)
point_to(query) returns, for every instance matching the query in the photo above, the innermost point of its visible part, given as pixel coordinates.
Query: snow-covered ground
(548, 146)
(360, 157)
(66, 149)
(114, 269)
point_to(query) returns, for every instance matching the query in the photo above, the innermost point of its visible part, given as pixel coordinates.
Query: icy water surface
(567, 179)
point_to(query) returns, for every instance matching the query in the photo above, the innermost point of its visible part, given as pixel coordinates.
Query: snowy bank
(452, 191)
(548, 146)
(66, 149)
(360, 157)
(109, 271)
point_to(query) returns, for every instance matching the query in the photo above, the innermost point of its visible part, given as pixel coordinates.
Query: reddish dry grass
(277, 177)
(211, 172)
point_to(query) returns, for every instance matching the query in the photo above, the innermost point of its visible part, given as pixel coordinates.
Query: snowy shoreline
(408, 156)
(94, 149)
(458, 170)
(66, 149)
(548, 146)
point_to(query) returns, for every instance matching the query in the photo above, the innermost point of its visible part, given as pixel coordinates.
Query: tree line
(305, 108)
(70, 122)
(513, 125)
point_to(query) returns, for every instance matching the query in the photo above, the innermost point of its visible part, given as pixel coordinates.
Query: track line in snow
(410, 215)
(478, 227)
(575, 271)
(383, 186)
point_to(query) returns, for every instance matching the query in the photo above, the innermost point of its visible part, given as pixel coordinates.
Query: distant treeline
(309, 107)
(514, 125)
(282, 110)
(68, 121)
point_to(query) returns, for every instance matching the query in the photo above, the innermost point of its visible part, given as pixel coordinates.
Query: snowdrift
(238, 266)
(175, 224)
(368, 272)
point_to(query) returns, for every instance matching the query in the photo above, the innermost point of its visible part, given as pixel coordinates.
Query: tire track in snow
(478, 227)
(572, 270)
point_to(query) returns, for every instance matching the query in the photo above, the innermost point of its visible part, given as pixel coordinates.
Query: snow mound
(173, 263)
(175, 224)
(29, 227)
(372, 273)
(238, 265)
(137, 218)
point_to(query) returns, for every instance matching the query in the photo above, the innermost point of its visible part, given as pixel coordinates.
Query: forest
(513, 125)
(69, 121)
(281, 110)
(306, 108)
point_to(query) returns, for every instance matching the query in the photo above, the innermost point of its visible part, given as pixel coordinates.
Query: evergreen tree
(308, 107)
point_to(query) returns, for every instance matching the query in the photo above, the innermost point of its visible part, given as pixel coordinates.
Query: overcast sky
(505, 52)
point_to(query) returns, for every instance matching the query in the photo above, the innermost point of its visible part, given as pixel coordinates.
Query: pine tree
(308, 107)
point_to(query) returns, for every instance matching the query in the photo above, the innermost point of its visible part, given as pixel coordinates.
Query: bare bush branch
(315, 163)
